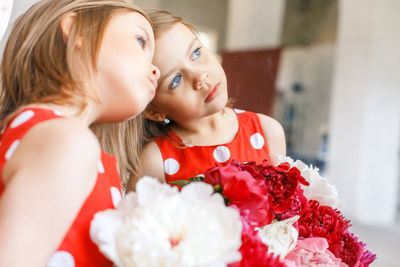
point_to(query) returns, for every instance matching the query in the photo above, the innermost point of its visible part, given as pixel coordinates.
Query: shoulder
(151, 165)
(55, 145)
(64, 135)
(270, 125)
(152, 161)
(275, 136)
(54, 169)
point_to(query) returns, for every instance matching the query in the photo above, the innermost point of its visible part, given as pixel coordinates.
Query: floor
(383, 241)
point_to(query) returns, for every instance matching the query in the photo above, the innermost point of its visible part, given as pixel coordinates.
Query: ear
(66, 24)
(151, 114)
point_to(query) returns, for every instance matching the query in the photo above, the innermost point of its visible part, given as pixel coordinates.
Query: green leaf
(180, 182)
(197, 178)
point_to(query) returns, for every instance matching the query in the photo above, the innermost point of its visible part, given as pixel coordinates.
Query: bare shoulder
(270, 124)
(48, 178)
(151, 165)
(59, 144)
(65, 136)
(275, 135)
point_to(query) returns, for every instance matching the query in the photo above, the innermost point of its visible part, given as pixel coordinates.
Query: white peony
(159, 226)
(319, 189)
(280, 236)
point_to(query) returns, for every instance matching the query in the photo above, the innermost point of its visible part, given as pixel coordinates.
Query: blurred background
(329, 71)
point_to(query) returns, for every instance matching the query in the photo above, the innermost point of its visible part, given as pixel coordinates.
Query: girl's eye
(141, 41)
(196, 53)
(175, 82)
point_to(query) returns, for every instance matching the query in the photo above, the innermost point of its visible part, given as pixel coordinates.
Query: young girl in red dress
(67, 64)
(188, 124)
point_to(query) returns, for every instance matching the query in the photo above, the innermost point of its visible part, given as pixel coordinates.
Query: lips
(212, 93)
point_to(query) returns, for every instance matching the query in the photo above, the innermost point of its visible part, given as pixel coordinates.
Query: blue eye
(175, 82)
(196, 53)
(140, 41)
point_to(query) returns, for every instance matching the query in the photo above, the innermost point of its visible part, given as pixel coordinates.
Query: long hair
(126, 140)
(40, 66)
(131, 136)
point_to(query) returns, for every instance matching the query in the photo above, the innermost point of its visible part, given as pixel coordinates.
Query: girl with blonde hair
(67, 65)
(189, 126)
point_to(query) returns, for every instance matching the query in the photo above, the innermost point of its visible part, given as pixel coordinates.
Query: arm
(48, 178)
(275, 136)
(152, 165)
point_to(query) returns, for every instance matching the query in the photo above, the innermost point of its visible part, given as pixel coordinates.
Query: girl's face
(192, 83)
(126, 78)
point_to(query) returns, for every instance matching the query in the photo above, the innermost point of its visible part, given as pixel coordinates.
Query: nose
(155, 72)
(199, 81)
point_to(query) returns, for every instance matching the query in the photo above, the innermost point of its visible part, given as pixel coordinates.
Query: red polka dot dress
(182, 162)
(76, 249)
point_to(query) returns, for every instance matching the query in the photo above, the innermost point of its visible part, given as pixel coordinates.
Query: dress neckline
(176, 137)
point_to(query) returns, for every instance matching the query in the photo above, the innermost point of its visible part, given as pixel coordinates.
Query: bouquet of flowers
(240, 214)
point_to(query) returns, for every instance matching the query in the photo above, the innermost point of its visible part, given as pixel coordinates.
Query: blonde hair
(39, 65)
(131, 136)
(125, 140)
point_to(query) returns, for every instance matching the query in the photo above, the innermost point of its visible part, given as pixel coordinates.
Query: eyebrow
(145, 32)
(161, 80)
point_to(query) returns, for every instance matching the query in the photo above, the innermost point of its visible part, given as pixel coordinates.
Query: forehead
(173, 44)
(130, 19)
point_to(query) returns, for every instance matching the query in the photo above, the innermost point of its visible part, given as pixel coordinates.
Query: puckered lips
(212, 93)
(154, 84)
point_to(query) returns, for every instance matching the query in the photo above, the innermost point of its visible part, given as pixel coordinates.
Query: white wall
(5, 14)
(312, 67)
(19, 6)
(146, 3)
(254, 24)
(365, 111)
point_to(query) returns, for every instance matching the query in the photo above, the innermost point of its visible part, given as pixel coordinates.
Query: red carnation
(323, 221)
(282, 183)
(241, 190)
(353, 252)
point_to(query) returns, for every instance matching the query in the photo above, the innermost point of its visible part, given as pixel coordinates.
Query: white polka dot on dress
(115, 196)
(12, 149)
(221, 154)
(171, 166)
(100, 167)
(22, 118)
(58, 113)
(238, 111)
(61, 258)
(257, 141)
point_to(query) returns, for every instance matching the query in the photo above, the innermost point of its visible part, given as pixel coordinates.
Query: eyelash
(141, 39)
(199, 53)
(172, 85)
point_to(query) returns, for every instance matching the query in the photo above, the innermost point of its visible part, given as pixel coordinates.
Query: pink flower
(241, 190)
(312, 252)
